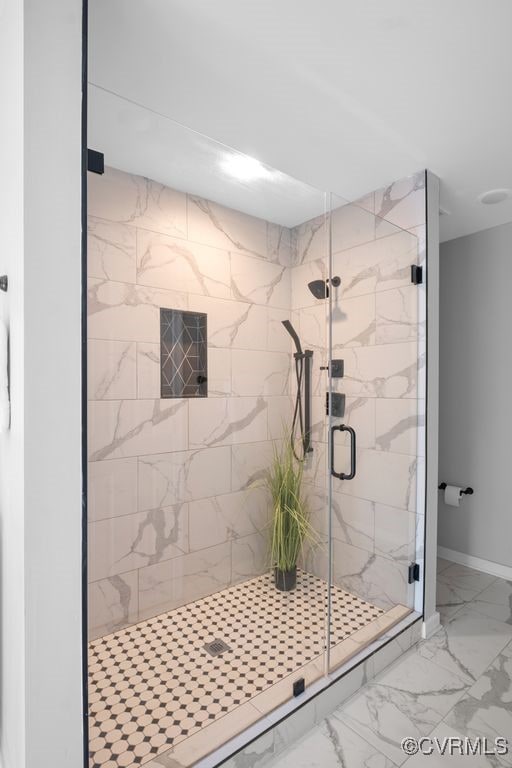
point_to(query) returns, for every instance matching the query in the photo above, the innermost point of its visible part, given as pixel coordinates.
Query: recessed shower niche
(183, 354)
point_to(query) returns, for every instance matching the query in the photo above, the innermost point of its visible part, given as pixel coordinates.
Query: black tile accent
(183, 354)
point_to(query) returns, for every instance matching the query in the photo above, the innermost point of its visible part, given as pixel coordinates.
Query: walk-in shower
(208, 350)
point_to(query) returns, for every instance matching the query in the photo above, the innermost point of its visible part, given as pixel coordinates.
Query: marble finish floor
(154, 685)
(457, 683)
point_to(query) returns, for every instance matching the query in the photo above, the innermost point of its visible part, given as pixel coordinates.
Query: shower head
(319, 288)
(291, 330)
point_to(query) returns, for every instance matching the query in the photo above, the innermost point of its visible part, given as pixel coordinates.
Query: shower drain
(216, 647)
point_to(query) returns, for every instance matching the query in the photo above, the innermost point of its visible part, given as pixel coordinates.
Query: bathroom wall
(378, 330)
(172, 508)
(475, 412)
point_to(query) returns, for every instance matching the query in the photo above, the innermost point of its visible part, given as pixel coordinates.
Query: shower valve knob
(336, 368)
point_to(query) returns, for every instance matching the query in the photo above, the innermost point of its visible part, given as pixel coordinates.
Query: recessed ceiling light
(494, 196)
(245, 168)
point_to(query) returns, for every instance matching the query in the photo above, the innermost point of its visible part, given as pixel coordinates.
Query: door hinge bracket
(416, 274)
(95, 161)
(414, 573)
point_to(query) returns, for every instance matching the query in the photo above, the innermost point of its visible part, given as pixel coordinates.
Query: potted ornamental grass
(290, 525)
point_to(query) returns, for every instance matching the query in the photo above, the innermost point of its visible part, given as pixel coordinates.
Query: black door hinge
(299, 686)
(95, 161)
(416, 274)
(414, 573)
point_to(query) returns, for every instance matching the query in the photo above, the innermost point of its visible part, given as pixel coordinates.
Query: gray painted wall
(475, 392)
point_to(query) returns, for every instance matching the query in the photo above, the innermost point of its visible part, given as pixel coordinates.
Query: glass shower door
(376, 415)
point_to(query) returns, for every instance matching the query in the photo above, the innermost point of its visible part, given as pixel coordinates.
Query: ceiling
(347, 96)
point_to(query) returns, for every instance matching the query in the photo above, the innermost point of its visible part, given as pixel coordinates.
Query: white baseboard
(430, 626)
(478, 563)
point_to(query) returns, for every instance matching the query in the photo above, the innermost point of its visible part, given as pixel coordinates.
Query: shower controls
(336, 403)
(336, 368)
(344, 475)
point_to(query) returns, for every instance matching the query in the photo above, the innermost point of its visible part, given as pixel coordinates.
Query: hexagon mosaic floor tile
(154, 684)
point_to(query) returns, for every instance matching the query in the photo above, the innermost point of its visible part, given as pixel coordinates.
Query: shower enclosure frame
(330, 678)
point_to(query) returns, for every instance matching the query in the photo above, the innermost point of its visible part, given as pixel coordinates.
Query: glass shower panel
(377, 339)
(202, 332)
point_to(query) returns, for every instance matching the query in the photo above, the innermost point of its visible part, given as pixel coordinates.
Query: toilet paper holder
(468, 490)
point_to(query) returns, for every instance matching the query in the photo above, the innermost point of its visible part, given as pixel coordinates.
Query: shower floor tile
(154, 684)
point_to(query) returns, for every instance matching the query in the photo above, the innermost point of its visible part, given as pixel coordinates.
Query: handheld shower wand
(302, 372)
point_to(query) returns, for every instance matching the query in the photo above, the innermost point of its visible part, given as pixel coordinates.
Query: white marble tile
(148, 370)
(395, 648)
(332, 744)
(378, 579)
(313, 327)
(128, 312)
(467, 644)
(125, 543)
(260, 373)
(395, 533)
(399, 425)
(250, 462)
(382, 476)
(260, 282)
(376, 266)
(128, 199)
(294, 727)
(382, 371)
(331, 700)
(221, 227)
(233, 324)
(175, 264)
(110, 250)
(409, 699)
(112, 488)
(278, 340)
(120, 428)
(351, 225)
(403, 202)
(360, 414)
(353, 521)
(255, 754)
(113, 604)
(310, 240)
(353, 322)
(495, 601)
(397, 316)
(250, 556)
(111, 370)
(231, 516)
(219, 372)
(171, 583)
(457, 585)
(172, 478)
(315, 465)
(226, 421)
(443, 564)
(486, 710)
(280, 415)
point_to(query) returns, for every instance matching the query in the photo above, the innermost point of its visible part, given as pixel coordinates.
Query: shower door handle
(352, 473)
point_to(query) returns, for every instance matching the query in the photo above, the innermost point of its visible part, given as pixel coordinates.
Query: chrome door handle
(352, 473)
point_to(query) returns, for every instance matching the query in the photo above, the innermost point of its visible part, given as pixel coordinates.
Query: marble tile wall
(175, 511)
(174, 514)
(378, 328)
